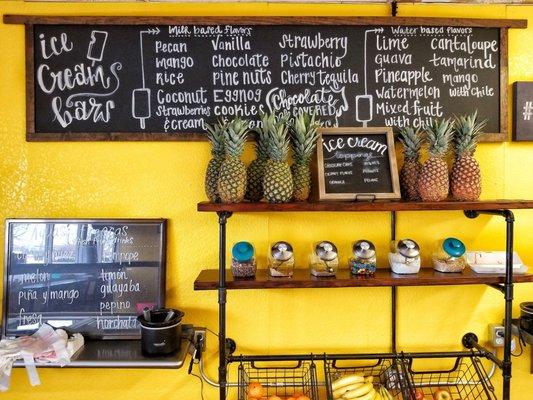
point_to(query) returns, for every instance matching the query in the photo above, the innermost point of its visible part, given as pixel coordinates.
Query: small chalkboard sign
(357, 164)
(87, 276)
(523, 111)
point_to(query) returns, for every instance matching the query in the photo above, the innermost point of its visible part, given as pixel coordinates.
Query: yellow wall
(165, 180)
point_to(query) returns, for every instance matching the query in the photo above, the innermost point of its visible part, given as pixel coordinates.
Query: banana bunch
(354, 387)
(383, 394)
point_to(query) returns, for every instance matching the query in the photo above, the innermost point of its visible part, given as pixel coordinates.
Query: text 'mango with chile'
(169, 80)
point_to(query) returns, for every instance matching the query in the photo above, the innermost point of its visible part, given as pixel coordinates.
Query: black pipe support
(469, 340)
(471, 214)
(507, 290)
(222, 352)
(394, 293)
(507, 214)
(231, 346)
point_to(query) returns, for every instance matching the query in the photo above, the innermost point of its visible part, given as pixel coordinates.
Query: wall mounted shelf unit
(221, 280)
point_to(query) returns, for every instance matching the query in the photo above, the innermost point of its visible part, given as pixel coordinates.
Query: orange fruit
(255, 389)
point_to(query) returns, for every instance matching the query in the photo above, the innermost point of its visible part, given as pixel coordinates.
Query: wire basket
(298, 378)
(389, 372)
(467, 379)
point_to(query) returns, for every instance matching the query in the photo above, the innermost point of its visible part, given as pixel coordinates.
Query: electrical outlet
(496, 334)
(200, 334)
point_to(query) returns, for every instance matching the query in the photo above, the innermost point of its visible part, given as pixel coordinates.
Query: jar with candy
(243, 264)
(324, 260)
(281, 260)
(450, 256)
(404, 257)
(363, 259)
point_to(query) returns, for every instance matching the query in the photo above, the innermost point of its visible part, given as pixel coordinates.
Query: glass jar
(281, 260)
(324, 260)
(243, 263)
(363, 259)
(404, 257)
(450, 256)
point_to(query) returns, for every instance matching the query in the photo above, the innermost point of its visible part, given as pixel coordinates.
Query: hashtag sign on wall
(523, 111)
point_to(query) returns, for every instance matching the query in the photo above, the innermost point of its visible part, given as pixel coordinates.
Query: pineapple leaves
(268, 121)
(411, 140)
(216, 135)
(272, 136)
(467, 133)
(235, 136)
(304, 134)
(439, 133)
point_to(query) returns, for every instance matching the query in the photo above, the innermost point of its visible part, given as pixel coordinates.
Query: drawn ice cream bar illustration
(140, 105)
(95, 52)
(363, 108)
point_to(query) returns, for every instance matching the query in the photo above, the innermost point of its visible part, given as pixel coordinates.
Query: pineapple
(304, 136)
(256, 169)
(215, 134)
(232, 177)
(466, 175)
(433, 182)
(277, 182)
(411, 140)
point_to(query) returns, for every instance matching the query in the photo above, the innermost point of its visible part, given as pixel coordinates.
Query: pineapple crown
(304, 133)
(234, 137)
(268, 121)
(467, 133)
(411, 140)
(278, 139)
(439, 134)
(215, 134)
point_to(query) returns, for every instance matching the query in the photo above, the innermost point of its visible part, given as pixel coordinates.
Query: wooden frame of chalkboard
(373, 149)
(101, 254)
(32, 135)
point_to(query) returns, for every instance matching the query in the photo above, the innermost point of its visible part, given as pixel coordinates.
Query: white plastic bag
(45, 345)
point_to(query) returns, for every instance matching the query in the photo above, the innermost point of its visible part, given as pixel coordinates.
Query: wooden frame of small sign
(351, 170)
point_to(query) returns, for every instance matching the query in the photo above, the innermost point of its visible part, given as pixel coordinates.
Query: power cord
(521, 342)
(214, 333)
(195, 359)
(201, 384)
(217, 335)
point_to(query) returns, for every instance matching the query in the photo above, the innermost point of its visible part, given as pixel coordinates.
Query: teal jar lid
(453, 247)
(242, 251)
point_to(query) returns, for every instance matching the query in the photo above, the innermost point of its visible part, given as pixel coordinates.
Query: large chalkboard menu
(106, 78)
(88, 276)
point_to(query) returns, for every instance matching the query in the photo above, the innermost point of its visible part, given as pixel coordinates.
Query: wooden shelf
(378, 205)
(208, 279)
